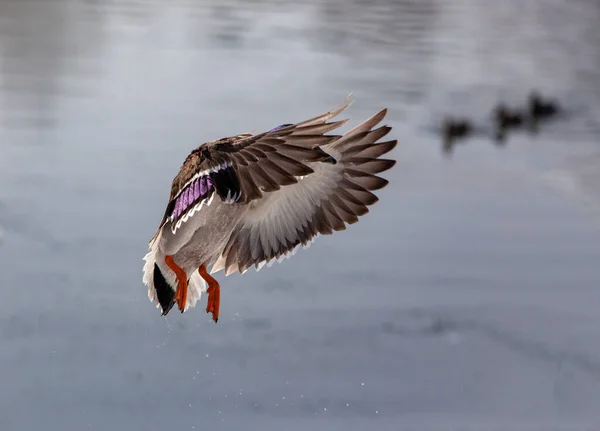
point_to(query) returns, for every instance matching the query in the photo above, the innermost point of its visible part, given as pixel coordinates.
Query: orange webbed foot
(182, 284)
(214, 293)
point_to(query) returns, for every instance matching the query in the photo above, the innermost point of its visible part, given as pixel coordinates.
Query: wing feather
(262, 163)
(326, 199)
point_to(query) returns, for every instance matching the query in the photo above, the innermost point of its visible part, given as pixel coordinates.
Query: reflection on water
(100, 101)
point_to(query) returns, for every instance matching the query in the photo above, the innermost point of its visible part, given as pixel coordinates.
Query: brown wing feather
(276, 158)
(326, 201)
(263, 162)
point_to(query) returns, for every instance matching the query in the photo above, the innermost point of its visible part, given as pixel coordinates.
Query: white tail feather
(196, 284)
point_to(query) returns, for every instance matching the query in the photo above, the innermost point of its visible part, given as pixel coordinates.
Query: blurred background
(468, 298)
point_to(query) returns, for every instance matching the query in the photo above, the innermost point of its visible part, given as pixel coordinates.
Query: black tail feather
(164, 292)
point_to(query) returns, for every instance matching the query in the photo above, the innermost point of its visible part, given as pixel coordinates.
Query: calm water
(469, 297)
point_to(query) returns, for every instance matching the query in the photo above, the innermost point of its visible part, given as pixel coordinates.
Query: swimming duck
(539, 108)
(452, 129)
(250, 200)
(505, 118)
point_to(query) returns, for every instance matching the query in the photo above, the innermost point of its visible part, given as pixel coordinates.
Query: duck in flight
(250, 200)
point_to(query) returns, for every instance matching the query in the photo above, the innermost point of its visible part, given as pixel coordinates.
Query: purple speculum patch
(193, 193)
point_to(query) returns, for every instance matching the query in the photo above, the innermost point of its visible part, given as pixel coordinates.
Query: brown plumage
(274, 192)
(358, 155)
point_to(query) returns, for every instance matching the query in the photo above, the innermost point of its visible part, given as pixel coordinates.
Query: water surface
(467, 297)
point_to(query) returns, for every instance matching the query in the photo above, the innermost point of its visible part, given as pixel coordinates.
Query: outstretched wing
(334, 195)
(241, 168)
(266, 162)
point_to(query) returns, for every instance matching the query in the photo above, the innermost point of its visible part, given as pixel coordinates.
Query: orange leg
(182, 284)
(214, 293)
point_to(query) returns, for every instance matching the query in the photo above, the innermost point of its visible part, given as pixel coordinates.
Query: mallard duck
(452, 129)
(506, 118)
(539, 108)
(250, 200)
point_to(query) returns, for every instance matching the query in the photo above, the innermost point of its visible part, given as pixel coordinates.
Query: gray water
(467, 299)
